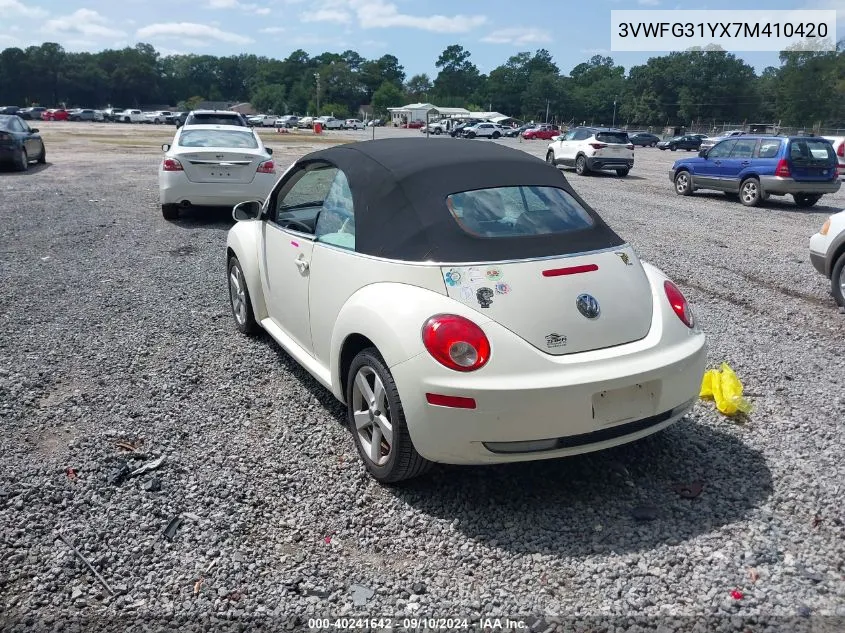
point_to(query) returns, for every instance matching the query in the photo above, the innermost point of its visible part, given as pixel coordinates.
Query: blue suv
(756, 167)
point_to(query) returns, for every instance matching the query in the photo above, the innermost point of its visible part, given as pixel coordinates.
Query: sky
(415, 31)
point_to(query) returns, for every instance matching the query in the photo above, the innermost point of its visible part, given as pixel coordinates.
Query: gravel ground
(116, 328)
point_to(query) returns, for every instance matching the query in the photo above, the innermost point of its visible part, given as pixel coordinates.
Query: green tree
(457, 75)
(418, 88)
(270, 99)
(387, 96)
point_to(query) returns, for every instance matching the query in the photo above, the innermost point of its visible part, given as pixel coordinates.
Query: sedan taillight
(267, 167)
(171, 164)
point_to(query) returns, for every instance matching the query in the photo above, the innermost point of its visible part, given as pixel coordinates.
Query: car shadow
(34, 169)
(618, 500)
(205, 218)
(781, 203)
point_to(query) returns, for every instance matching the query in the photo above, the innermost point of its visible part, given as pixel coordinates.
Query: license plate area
(616, 406)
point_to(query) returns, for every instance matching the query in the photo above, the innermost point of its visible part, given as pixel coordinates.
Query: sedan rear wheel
(170, 211)
(239, 299)
(43, 157)
(550, 157)
(377, 421)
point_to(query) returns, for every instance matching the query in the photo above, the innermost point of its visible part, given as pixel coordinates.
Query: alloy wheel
(371, 412)
(238, 294)
(681, 182)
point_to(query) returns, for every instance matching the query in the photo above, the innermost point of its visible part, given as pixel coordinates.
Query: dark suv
(215, 117)
(756, 167)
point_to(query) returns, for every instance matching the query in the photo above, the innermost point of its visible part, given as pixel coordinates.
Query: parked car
(838, 143)
(80, 114)
(757, 167)
(32, 114)
(827, 254)
(9, 110)
(131, 116)
(262, 120)
(330, 123)
(687, 142)
(544, 132)
(215, 117)
(287, 121)
(593, 149)
(610, 344)
(709, 141)
(352, 124)
(375, 123)
(644, 139)
(112, 114)
(483, 130)
(213, 165)
(20, 144)
(458, 130)
(178, 118)
(414, 125)
(58, 114)
(516, 131)
(305, 122)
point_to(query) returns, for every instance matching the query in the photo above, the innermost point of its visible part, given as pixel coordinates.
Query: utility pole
(317, 77)
(547, 111)
(614, 112)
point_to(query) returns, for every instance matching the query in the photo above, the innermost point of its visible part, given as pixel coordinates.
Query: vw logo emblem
(588, 306)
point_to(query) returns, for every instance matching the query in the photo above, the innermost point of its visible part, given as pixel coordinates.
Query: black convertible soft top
(399, 189)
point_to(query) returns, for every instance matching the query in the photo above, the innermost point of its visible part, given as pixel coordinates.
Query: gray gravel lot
(116, 327)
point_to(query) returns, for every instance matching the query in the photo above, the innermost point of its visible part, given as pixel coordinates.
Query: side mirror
(34, 130)
(165, 147)
(702, 153)
(269, 150)
(249, 210)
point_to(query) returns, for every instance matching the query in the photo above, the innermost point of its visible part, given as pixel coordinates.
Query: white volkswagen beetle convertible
(465, 304)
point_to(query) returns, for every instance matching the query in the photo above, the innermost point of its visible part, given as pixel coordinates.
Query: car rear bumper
(560, 412)
(776, 184)
(8, 153)
(610, 163)
(175, 188)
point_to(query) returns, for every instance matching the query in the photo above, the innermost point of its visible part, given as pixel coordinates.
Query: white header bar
(733, 31)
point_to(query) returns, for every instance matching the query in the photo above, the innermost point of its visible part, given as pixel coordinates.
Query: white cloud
(196, 33)
(518, 36)
(11, 8)
(85, 22)
(338, 16)
(376, 14)
(236, 4)
(649, 3)
(272, 30)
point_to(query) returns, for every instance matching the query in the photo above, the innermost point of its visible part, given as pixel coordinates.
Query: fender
(396, 333)
(244, 240)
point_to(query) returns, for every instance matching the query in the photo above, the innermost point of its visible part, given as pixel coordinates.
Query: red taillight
(171, 164)
(5, 137)
(456, 342)
(267, 167)
(598, 145)
(782, 169)
(679, 303)
(630, 146)
(840, 151)
(456, 402)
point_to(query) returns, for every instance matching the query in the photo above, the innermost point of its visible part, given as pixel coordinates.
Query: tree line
(807, 88)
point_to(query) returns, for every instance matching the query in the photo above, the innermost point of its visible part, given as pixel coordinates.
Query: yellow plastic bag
(723, 386)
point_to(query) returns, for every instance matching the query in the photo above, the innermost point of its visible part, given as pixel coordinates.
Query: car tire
(654, 144)
(749, 192)
(470, 135)
(438, 131)
(401, 460)
(673, 148)
(622, 172)
(239, 298)
(170, 211)
(22, 160)
(837, 281)
(805, 200)
(42, 159)
(683, 183)
(581, 166)
(496, 135)
(550, 157)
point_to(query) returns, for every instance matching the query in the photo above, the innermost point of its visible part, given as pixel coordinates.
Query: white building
(419, 111)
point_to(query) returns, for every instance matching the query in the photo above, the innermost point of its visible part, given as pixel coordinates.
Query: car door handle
(301, 264)
(745, 162)
(717, 162)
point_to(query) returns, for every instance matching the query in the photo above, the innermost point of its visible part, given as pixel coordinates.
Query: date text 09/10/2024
(417, 624)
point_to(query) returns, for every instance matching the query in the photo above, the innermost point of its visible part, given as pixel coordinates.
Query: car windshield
(612, 137)
(517, 211)
(218, 138)
(811, 151)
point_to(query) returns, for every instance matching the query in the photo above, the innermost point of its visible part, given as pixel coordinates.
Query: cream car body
(827, 254)
(584, 348)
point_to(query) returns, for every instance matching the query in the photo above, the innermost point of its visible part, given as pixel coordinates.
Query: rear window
(811, 151)
(517, 211)
(218, 138)
(613, 137)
